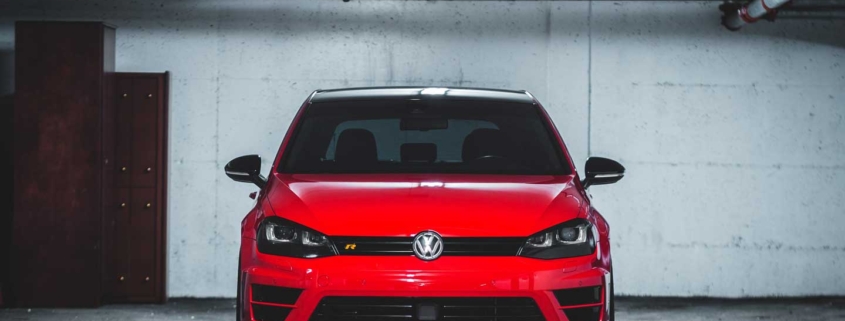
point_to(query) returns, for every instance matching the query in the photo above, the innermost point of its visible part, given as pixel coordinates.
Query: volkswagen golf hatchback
(424, 204)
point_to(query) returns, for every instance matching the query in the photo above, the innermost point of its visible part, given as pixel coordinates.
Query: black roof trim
(416, 92)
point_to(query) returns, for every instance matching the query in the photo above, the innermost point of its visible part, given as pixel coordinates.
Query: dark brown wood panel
(58, 157)
(141, 100)
(5, 198)
(144, 131)
(117, 256)
(142, 247)
(109, 144)
(161, 183)
(123, 129)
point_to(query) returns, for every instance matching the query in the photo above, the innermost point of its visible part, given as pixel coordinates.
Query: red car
(424, 204)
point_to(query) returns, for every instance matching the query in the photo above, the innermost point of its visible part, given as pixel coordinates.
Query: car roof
(407, 93)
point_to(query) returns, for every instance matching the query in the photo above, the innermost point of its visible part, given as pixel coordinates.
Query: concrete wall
(734, 142)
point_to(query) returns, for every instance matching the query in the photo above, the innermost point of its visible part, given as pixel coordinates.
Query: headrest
(356, 145)
(483, 142)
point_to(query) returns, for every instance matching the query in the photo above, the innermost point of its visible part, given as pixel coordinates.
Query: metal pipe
(736, 18)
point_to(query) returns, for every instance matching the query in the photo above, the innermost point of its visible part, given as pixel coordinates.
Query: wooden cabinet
(62, 82)
(89, 171)
(135, 224)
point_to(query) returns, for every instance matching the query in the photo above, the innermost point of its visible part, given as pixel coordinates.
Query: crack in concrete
(768, 246)
(736, 165)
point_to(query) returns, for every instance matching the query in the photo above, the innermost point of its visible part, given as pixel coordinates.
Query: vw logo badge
(428, 245)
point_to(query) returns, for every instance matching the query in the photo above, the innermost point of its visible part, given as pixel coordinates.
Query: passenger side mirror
(246, 169)
(602, 171)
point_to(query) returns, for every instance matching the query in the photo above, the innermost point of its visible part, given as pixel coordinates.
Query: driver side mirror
(246, 169)
(602, 171)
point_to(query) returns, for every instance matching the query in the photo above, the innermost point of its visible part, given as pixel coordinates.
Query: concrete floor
(627, 309)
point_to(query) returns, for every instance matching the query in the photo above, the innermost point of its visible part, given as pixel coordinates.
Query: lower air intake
(583, 314)
(275, 294)
(578, 296)
(269, 312)
(420, 308)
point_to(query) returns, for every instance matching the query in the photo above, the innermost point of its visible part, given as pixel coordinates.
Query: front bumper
(407, 276)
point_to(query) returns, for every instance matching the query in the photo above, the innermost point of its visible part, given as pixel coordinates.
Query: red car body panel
(453, 205)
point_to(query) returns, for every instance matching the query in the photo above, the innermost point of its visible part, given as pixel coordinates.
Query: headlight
(570, 239)
(278, 236)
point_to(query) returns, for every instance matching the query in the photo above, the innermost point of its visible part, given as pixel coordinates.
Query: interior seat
(484, 142)
(356, 146)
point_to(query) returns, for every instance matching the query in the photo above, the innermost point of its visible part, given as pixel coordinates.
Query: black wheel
(239, 300)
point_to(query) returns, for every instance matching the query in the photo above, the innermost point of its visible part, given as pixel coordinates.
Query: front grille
(482, 246)
(275, 294)
(578, 296)
(406, 308)
(353, 245)
(452, 246)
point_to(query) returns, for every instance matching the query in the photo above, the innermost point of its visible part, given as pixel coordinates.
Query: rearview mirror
(602, 171)
(246, 169)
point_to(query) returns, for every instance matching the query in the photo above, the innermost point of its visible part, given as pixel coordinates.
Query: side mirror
(602, 171)
(246, 169)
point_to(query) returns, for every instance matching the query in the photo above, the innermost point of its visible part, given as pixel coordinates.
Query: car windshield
(423, 136)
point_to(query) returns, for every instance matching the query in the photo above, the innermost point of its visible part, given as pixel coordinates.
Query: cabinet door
(123, 141)
(144, 132)
(142, 244)
(118, 253)
(139, 227)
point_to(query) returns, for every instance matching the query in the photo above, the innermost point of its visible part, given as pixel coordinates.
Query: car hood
(404, 205)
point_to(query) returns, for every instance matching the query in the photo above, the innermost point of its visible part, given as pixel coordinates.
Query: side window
(389, 138)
